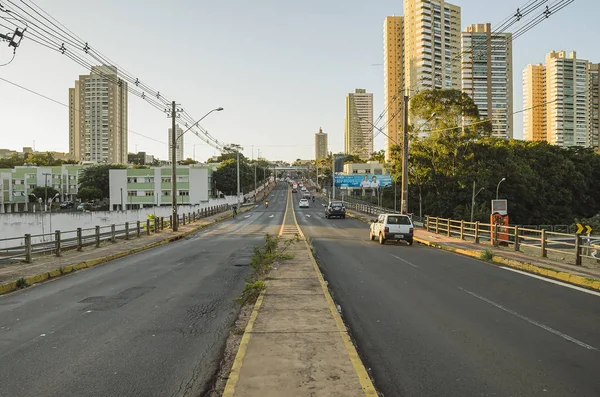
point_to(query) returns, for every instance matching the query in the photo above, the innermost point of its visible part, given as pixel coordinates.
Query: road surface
(432, 323)
(152, 324)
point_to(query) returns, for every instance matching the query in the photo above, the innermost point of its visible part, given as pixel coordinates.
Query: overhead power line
(47, 31)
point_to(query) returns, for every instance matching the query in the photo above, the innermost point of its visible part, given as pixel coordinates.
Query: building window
(132, 193)
(166, 179)
(149, 193)
(184, 192)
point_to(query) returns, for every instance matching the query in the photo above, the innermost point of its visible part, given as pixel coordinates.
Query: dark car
(67, 204)
(335, 209)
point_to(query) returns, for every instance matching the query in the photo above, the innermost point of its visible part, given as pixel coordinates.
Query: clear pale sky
(281, 69)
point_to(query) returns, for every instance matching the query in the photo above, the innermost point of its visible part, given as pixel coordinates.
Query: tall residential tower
(487, 75)
(98, 117)
(320, 145)
(393, 74)
(358, 125)
(179, 148)
(561, 101)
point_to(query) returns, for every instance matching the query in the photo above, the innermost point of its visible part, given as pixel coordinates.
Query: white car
(392, 227)
(303, 203)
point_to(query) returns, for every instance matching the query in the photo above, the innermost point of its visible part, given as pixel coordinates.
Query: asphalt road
(152, 324)
(432, 323)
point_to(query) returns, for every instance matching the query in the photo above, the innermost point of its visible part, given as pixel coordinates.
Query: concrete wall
(19, 224)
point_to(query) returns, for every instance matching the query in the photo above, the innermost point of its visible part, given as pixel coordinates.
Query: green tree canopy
(188, 161)
(378, 156)
(89, 194)
(97, 176)
(42, 192)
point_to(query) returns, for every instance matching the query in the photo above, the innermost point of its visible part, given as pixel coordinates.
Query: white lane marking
(307, 215)
(549, 280)
(271, 216)
(405, 261)
(522, 317)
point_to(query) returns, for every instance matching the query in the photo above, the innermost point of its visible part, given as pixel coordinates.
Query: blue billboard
(364, 181)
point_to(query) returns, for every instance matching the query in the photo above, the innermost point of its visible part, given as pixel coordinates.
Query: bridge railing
(568, 247)
(24, 248)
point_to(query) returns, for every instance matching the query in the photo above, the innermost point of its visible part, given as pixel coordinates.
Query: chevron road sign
(581, 228)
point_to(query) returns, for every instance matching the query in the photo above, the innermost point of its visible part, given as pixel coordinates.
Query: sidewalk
(50, 266)
(295, 343)
(588, 277)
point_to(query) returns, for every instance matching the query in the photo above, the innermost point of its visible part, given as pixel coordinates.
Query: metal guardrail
(29, 245)
(529, 239)
(576, 246)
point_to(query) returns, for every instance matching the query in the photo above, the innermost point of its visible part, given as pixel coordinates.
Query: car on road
(303, 203)
(67, 204)
(335, 209)
(392, 227)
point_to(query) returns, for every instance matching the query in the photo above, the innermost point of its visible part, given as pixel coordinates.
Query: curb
(589, 283)
(52, 274)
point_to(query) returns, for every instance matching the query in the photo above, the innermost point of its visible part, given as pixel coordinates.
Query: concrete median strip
(523, 265)
(64, 270)
(296, 343)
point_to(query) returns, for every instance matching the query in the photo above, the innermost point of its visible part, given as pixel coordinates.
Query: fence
(575, 247)
(27, 246)
(370, 209)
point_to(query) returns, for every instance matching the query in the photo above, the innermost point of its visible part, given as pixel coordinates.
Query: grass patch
(487, 255)
(22, 283)
(238, 331)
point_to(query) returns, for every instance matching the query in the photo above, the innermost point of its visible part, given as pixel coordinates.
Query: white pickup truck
(392, 227)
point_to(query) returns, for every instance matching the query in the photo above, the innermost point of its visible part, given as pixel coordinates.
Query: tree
(378, 156)
(42, 192)
(12, 162)
(188, 161)
(353, 159)
(97, 176)
(42, 159)
(455, 113)
(225, 177)
(87, 194)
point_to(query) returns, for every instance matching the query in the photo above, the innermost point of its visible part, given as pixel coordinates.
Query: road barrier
(24, 248)
(576, 246)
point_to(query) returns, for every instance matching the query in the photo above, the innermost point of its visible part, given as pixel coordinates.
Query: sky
(280, 69)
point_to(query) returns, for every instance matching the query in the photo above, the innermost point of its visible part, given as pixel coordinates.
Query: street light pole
(175, 224)
(238, 178)
(473, 200)
(498, 187)
(46, 191)
(174, 138)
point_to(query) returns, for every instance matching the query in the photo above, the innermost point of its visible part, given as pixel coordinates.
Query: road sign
(580, 228)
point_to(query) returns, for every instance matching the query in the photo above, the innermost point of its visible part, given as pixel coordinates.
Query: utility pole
(238, 177)
(404, 198)
(46, 191)
(175, 225)
(254, 180)
(333, 176)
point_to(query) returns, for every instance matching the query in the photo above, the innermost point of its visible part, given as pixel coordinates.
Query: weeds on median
(263, 258)
(22, 283)
(487, 255)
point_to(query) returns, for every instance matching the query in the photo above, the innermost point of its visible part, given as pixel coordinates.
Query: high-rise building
(486, 75)
(179, 147)
(534, 103)
(569, 99)
(98, 117)
(358, 126)
(594, 105)
(431, 45)
(393, 74)
(320, 145)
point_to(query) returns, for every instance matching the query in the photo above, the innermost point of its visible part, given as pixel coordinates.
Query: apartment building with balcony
(134, 188)
(17, 183)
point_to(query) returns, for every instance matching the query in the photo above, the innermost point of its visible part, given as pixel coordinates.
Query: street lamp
(174, 139)
(52, 200)
(473, 199)
(235, 147)
(498, 187)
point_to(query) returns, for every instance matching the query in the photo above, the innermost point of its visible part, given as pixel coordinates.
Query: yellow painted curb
(234, 375)
(580, 281)
(359, 368)
(38, 278)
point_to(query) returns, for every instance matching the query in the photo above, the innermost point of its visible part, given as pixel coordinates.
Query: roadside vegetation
(263, 259)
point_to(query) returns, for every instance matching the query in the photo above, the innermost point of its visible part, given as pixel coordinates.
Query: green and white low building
(135, 188)
(17, 183)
